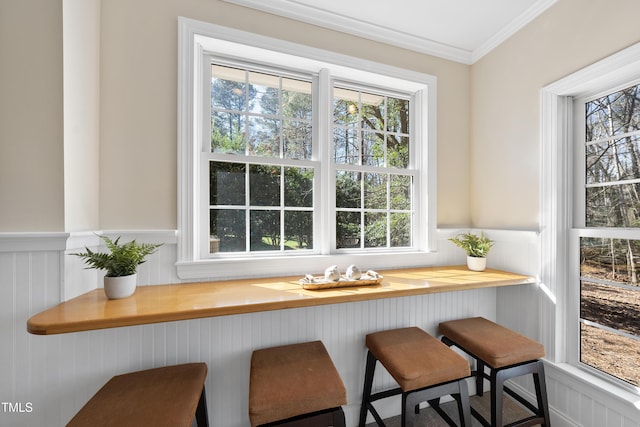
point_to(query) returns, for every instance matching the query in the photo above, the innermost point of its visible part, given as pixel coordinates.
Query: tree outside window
(609, 291)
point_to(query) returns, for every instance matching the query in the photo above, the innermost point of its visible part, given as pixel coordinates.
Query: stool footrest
(435, 405)
(384, 394)
(520, 399)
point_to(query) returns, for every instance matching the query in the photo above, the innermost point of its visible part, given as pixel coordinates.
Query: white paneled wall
(57, 374)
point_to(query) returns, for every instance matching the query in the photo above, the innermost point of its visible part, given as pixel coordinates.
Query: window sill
(620, 399)
(234, 268)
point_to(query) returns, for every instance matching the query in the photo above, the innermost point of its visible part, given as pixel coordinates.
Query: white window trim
(559, 266)
(195, 38)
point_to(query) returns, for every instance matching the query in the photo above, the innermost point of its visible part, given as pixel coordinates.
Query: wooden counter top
(165, 303)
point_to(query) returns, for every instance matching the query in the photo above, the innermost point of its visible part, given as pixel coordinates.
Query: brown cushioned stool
(507, 354)
(170, 396)
(295, 385)
(424, 368)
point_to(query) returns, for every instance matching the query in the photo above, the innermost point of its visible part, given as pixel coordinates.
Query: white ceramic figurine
(353, 272)
(332, 274)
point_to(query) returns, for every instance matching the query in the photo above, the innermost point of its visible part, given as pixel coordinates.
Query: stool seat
(415, 359)
(496, 345)
(167, 396)
(292, 380)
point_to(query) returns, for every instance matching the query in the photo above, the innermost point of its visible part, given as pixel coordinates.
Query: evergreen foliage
(122, 259)
(474, 245)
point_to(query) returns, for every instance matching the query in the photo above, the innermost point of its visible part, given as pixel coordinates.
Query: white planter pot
(476, 264)
(120, 287)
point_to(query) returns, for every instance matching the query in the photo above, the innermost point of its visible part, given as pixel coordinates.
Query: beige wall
(505, 101)
(131, 182)
(31, 159)
(138, 104)
(137, 108)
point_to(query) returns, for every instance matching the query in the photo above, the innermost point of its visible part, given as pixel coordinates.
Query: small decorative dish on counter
(333, 279)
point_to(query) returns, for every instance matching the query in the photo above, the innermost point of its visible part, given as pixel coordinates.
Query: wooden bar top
(166, 303)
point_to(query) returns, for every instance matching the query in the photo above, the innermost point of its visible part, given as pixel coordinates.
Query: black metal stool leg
(202, 418)
(479, 377)
(338, 418)
(464, 407)
(541, 392)
(409, 402)
(366, 392)
(497, 391)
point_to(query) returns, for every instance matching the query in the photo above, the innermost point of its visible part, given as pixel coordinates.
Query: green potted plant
(121, 264)
(476, 247)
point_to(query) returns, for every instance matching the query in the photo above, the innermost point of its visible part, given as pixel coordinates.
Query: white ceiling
(459, 30)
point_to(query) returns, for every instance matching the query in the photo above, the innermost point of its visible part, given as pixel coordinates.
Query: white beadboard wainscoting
(46, 379)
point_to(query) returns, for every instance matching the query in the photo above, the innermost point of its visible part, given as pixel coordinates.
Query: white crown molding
(391, 36)
(513, 27)
(358, 28)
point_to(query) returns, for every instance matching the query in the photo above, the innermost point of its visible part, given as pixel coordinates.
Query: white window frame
(196, 40)
(560, 229)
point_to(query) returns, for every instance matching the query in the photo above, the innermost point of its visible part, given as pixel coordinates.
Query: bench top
(166, 303)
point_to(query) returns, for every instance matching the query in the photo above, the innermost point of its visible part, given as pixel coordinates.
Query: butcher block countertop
(166, 303)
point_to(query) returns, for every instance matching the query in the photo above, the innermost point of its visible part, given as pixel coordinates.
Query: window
(609, 232)
(265, 202)
(289, 152)
(373, 178)
(589, 229)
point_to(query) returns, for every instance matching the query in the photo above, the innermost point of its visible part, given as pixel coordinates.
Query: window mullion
(325, 181)
(247, 209)
(362, 206)
(282, 206)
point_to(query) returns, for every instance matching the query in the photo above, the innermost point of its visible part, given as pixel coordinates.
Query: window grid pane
(258, 208)
(373, 204)
(609, 288)
(609, 306)
(370, 129)
(260, 114)
(373, 210)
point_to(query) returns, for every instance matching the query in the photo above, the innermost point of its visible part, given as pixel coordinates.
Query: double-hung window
(259, 140)
(373, 173)
(292, 159)
(608, 227)
(590, 233)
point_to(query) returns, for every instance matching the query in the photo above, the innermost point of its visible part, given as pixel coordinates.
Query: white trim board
(391, 36)
(33, 241)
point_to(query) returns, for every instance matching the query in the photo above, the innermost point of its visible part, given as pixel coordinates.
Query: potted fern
(121, 264)
(476, 247)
